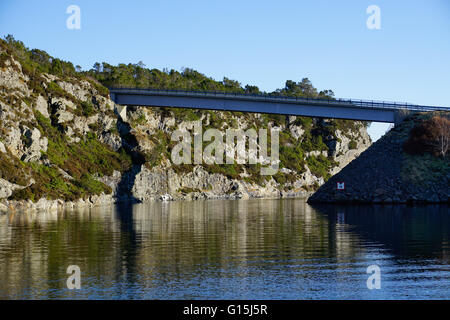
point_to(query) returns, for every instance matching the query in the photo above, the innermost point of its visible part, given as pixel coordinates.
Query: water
(244, 249)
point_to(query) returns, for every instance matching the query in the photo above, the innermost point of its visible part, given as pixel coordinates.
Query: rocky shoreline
(105, 200)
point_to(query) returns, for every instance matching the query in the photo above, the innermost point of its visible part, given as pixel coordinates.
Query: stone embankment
(384, 173)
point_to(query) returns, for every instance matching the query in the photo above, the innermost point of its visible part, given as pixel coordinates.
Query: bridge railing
(274, 97)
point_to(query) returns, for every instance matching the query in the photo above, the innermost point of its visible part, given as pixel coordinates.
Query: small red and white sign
(340, 186)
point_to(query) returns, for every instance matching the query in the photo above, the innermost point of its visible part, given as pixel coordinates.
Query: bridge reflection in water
(267, 249)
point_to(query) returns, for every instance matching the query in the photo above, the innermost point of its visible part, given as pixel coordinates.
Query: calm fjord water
(244, 249)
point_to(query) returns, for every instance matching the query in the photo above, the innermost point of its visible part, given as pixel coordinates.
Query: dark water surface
(244, 249)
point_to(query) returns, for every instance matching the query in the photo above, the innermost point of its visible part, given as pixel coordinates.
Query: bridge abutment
(121, 111)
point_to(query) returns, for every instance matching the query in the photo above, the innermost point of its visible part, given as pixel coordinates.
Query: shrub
(54, 89)
(102, 90)
(89, 184)
(352, 144)
(186, 190)
(87, 108)
(12, 169)
(429, 136)
(320, 166)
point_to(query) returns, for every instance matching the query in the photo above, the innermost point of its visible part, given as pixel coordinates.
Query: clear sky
(257, 42)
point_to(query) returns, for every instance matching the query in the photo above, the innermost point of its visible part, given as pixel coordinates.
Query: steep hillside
(63, 142)
(409, 164)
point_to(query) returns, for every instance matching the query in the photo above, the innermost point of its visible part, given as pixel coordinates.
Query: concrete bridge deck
(368, 110)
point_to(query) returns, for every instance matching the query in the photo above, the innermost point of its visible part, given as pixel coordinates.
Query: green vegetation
(102, 90)
(139, 121)
(352, 144)
(423, 169)
(87, 108)
(186, 190)
(162, 147)
(35, 61)
(186, 114)
(283, 178)
(87, 156)
(83, 161)
(320, 165)
(50, 184)
(292, 158)
(54, 89)
(13, 170)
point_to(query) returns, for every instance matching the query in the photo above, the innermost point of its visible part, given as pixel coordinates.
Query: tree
(17, 46)
(303, 89)
(232, 85)
(252, 89)
(56, 67)
(97, 67)
(432, 136)
(441, 135)
(307, 88)
(326, 94)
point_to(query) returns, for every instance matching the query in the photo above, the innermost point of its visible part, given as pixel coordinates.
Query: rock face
(7, 188)
(385, 174)
(342, 149)
(46, 120)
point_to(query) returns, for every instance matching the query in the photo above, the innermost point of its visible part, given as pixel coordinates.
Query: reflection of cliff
(231, 233)
(171, 249)
(422, 232)
(40, 247)
(164, 242)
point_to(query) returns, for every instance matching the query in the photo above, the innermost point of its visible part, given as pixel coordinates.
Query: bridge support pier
(121, 112)
(401, 114)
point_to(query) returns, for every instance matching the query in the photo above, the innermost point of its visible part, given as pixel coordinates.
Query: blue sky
(257, 42)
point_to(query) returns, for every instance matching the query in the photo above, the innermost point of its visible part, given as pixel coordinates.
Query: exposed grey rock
(165, 197)
(112, 140)
(65, 174)
(112, 181)
(80, 125)
(13, 141)
(46, 205)
(79, 90)
(41, 105)
(149, 185)
(64, 116)
(7, 188)
(33, 145)
(341, 152)
(296, 131)
(11, 79)
(2, 147)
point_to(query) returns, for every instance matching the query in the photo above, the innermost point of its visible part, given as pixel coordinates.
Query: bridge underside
(243, 105)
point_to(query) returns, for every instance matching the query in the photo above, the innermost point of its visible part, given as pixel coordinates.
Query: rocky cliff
(63, 142)
(386, 173)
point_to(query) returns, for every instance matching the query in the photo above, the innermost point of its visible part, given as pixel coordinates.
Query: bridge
(367, 110)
